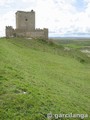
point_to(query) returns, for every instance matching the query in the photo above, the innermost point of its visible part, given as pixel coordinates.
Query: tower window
(26, 19)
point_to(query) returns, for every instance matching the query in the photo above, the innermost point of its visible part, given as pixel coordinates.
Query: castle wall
(25, 20)
(38, 33)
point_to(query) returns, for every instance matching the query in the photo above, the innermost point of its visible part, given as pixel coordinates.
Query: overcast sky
(59, 16)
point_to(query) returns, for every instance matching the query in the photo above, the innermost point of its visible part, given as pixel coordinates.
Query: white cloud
(55, 14)
(28, 1)
(62, 16)
(4, 2)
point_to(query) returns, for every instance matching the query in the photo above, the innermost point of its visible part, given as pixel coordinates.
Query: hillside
(38, 77)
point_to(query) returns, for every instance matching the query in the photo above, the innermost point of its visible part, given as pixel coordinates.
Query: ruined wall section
(37, 33)
(9, 31)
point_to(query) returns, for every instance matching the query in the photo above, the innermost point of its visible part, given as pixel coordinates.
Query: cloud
(29, 1)
(63, 17)
(5, 2)
(56, 14)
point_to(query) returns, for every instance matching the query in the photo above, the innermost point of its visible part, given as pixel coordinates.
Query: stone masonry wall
(38, 33)
(25, 20)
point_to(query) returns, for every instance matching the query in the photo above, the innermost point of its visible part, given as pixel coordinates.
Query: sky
(61, 17)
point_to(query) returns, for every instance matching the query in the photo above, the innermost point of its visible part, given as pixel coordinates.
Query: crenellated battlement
(9, 27)
(32, 11)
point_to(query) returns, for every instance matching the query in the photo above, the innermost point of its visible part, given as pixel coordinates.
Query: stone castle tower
(25, 20)
(25, 26)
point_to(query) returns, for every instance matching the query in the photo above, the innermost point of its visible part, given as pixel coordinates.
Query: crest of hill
(50, 46)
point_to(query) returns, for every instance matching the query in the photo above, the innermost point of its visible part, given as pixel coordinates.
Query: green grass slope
(37, 77)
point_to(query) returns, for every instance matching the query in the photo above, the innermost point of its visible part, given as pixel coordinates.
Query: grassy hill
(38, 77)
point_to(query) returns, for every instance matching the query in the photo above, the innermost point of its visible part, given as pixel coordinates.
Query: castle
(25, 27)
